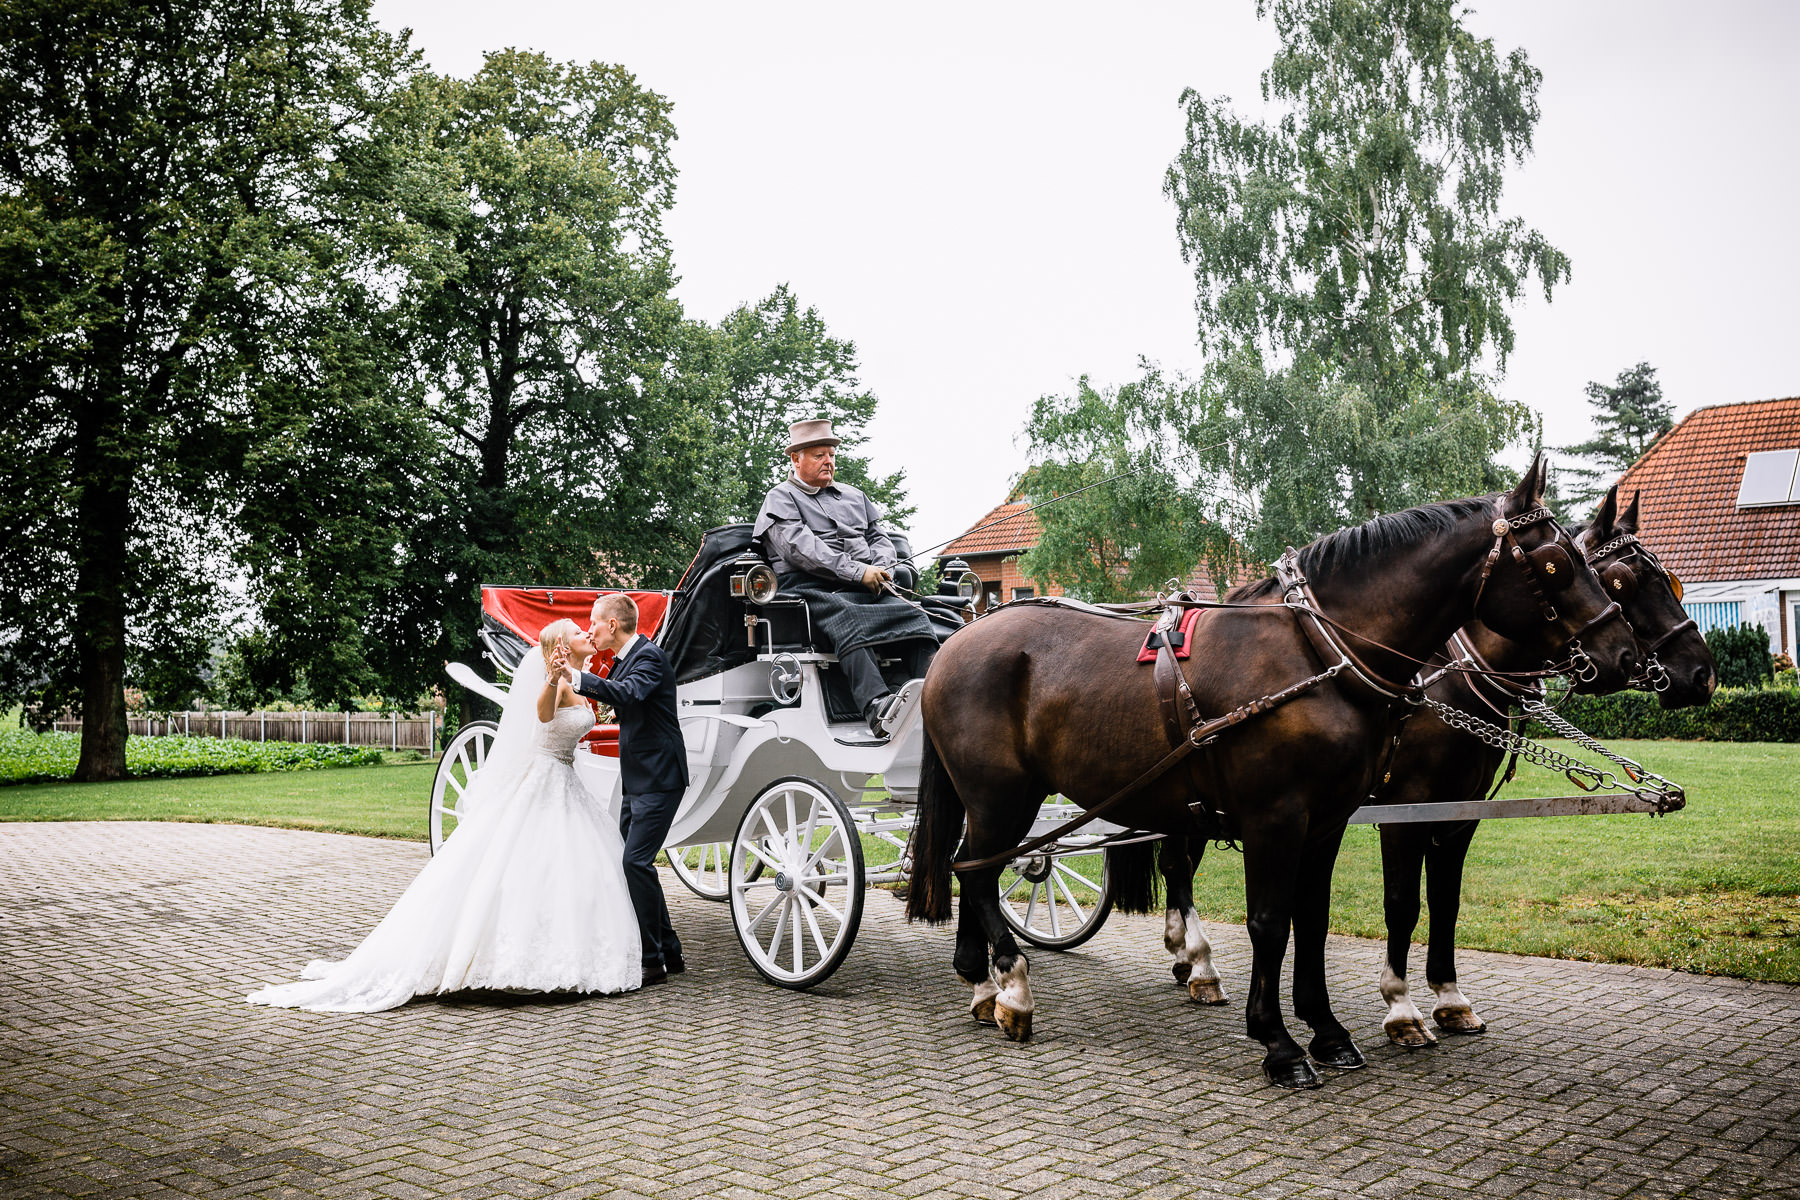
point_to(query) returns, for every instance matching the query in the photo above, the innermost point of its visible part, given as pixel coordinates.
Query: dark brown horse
(1033, 700)
(1435, 762)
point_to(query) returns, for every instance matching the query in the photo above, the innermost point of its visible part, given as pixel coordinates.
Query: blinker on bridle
(1548, 569)
(1621, 581)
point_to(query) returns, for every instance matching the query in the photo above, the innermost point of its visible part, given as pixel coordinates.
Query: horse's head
(1678, 666)
(1537, 589)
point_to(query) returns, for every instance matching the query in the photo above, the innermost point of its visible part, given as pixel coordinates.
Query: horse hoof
(1343, 1055)
(983, 1011)
(1294, 1075)
(1410, 1035)
(1206, 991)
(1181, 971)
(1460, 1019)
(1014, 1024)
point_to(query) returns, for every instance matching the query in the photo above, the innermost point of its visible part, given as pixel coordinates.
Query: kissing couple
(538, 890)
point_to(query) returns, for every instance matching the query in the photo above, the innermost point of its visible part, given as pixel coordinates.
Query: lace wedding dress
(528, 893)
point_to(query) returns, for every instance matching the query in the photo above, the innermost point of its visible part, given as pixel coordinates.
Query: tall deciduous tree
(170, 216)
(1352, 264)
(545, 341)
(1628, 417)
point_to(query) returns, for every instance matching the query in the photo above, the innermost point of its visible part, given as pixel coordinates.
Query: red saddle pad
(1181, 637)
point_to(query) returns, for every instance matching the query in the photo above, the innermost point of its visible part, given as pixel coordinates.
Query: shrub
(1735, 715)
(1742, 655)
(27, 757)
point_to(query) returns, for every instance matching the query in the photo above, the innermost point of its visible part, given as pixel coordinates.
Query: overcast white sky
(973, 193)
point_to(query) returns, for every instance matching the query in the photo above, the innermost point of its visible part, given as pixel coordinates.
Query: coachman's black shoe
(674, 966)
(655, 975)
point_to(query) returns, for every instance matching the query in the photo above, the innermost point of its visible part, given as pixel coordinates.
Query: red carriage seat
(602, 739)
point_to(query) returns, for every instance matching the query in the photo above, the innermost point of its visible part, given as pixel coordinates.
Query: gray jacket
(831, 532)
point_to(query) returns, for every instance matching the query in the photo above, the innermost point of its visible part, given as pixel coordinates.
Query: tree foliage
(172, 242)
(1125, 538)
(1628, 417)
(764, 367)
(1353, 269)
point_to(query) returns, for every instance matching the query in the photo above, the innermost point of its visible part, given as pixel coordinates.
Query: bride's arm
(551, 696)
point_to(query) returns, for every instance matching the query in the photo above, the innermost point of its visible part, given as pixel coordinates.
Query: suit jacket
(641, 690)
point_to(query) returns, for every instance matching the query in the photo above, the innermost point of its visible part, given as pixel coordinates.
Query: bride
(528, 895)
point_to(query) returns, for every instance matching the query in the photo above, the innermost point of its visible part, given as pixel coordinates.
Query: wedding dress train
(528, 894)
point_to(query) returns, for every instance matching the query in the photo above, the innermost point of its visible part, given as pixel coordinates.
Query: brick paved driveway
(130, 1066)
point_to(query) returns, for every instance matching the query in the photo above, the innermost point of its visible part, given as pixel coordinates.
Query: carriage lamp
(958, 580)
(754, 581)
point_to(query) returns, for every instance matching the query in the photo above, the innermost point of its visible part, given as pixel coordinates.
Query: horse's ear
(1607, 518)
(1529, 493)
(1628, 520)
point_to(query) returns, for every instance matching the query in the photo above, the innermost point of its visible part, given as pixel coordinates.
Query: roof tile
(1688, 484)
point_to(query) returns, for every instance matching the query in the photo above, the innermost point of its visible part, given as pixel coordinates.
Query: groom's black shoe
(674, 966)
(656, 974)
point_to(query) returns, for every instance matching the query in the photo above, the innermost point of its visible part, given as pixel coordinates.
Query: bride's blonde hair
(560, 630)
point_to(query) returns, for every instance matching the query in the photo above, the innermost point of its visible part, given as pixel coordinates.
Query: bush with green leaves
(1742, 654)
(27, 757)
(1735, 715)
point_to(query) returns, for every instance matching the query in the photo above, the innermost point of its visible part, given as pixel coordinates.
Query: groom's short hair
(619, 607)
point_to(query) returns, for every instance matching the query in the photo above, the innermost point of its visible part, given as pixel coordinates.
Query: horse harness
(1621, 581)
(1187, 731)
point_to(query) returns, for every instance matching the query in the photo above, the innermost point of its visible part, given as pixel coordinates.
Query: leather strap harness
(1187, 732)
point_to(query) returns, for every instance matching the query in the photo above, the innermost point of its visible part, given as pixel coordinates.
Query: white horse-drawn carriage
(794, 807)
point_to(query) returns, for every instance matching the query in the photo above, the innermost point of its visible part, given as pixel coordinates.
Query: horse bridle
(1547, 569)
(1621, 579)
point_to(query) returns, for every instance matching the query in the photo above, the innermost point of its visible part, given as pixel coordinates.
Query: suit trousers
(644, 820)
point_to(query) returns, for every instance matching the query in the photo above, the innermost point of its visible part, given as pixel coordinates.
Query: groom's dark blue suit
(653, 772)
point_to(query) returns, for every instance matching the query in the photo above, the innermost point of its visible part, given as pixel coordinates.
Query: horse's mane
(1347, 548)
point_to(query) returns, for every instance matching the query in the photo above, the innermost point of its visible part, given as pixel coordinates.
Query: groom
(652, 766)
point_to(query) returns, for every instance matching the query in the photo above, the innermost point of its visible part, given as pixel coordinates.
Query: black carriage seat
(705, 633)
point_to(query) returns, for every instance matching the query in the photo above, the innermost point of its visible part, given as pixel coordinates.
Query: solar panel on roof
(1768, 478)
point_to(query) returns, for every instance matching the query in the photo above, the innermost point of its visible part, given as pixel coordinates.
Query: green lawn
(385, 801)
(1715, 888)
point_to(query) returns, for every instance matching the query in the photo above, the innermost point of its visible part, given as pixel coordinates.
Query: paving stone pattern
(130, 1065)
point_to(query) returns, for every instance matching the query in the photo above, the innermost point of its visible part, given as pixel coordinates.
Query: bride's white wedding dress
(527, 894)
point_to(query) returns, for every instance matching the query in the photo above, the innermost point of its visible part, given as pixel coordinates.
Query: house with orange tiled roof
(992, 548)
(1719, 502)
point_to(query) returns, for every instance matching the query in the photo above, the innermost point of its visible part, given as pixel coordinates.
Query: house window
(1769, 479)
(1024, 593)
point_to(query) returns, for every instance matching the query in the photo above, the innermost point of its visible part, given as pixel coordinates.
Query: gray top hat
(802, 434)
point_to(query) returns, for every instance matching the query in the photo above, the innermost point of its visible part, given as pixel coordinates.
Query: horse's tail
(934, 840)
(1136, 885)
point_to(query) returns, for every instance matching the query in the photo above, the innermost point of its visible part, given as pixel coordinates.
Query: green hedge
(1735, 715)
(27, 757)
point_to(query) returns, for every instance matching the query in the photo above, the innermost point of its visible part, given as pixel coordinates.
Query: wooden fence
(386, 730)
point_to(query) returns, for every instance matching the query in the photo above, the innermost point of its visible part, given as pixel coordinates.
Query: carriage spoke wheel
(463, 757)
(1057, 902)
(796, 881)
(702, 869)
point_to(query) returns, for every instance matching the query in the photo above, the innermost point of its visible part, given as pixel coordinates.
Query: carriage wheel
(796, 880)
(465, 755)
(702, 869)
(1059, 901)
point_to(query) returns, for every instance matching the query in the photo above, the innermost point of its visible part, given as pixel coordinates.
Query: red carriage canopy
(526, 611)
